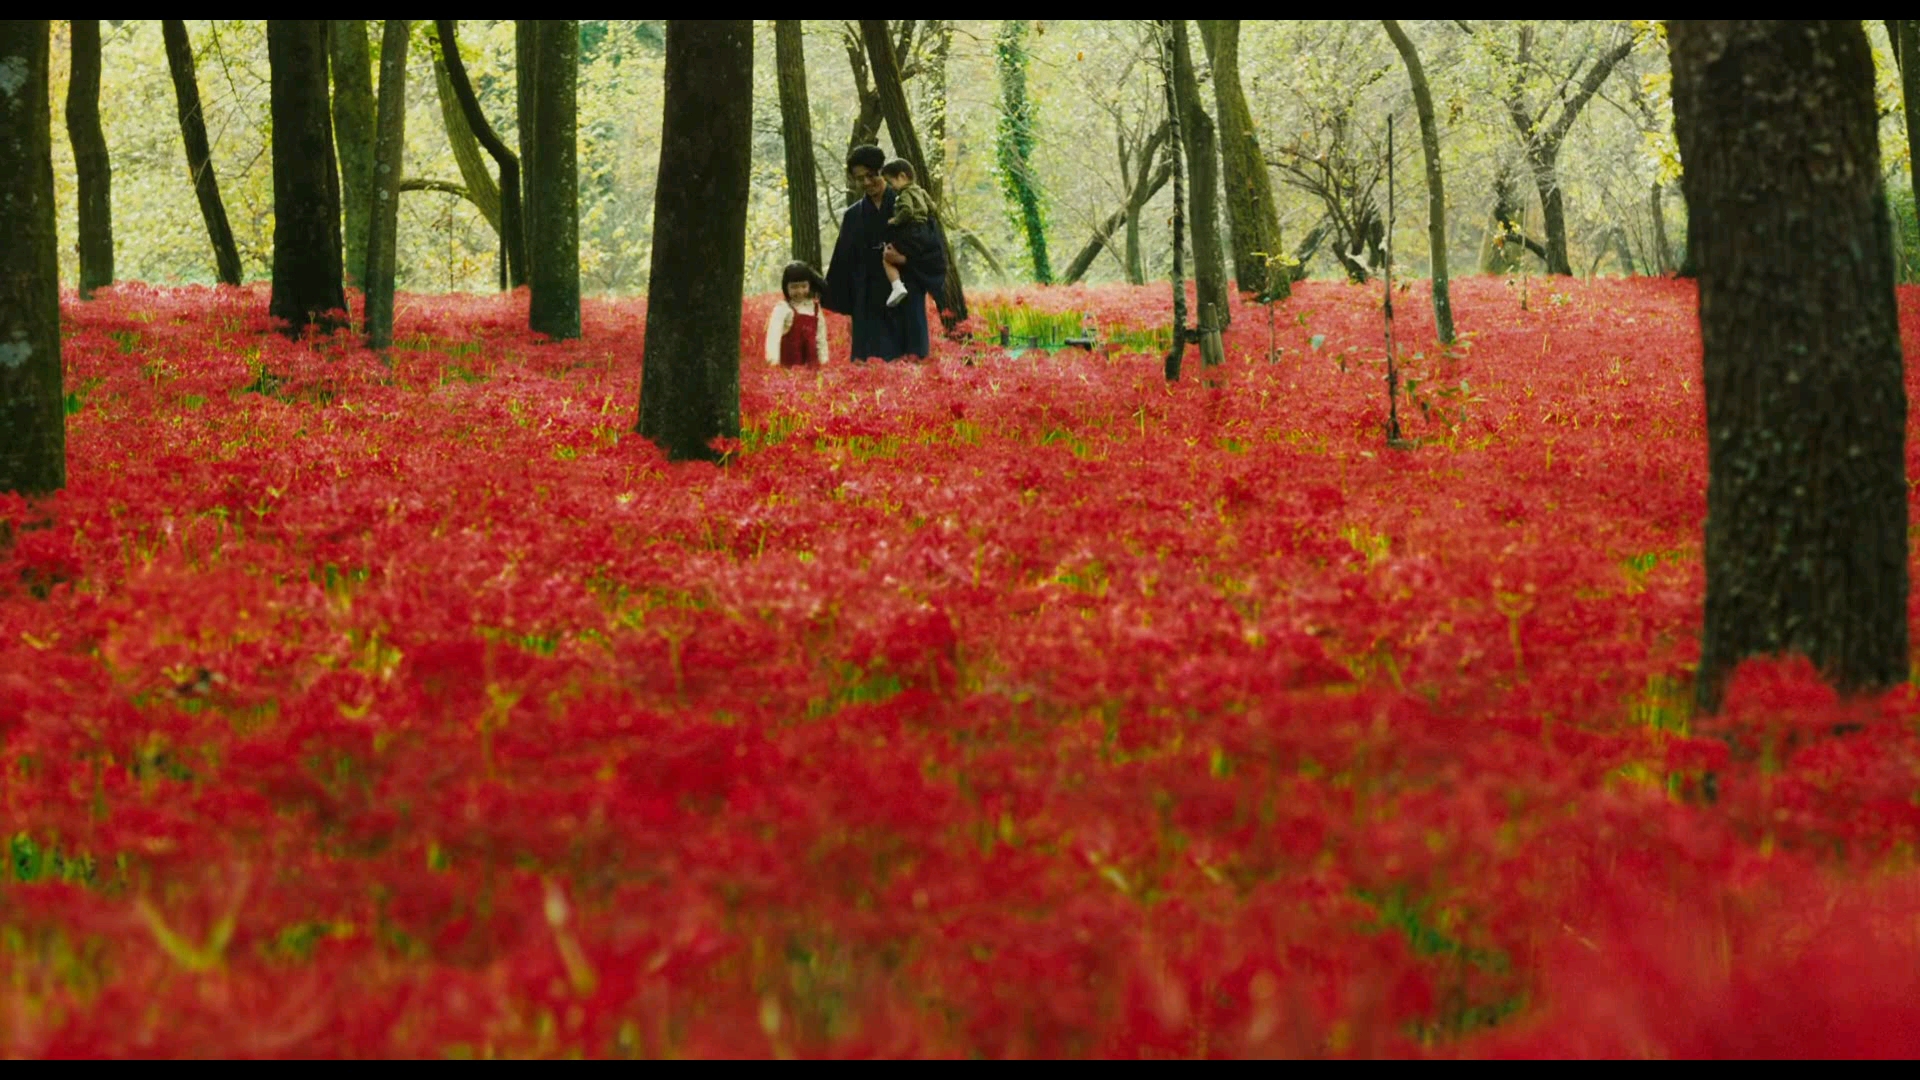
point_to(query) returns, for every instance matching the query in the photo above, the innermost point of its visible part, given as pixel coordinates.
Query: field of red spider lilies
(1027, 706)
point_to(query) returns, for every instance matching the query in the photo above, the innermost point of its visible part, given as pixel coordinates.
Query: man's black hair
(872, 157)
(899, 167)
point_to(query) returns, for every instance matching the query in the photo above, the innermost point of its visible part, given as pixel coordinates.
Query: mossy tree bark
(553, 204)
(353, 135)
(1806, 531)
(33, 419)
(887, 80)
(480, 187)
(307, 285)
(796, 130)
(1436, 186)
(92, 166)
(1176, 353)
(1253, 224)
(1907, 51)
(389, 153)
(193, 133)
(1203, 186)
(1014, 146)
(512, 230)
(690, 371)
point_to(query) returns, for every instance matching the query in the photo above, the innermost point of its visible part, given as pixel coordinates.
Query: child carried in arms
(912, 208)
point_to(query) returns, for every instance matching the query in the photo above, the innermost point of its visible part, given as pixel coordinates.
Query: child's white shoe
(899, 293)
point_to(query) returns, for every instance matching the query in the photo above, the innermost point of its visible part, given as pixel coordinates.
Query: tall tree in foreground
(353, 124)
(1203, 187)
(1177, 352)
(1252, 222)
(307, 285)
(512, 230)
(690, 372)
(1806, 532)
(193, 132)
(1015, 145)
(389, 151)
(1906, 51)
(93, 168)
(1436, 187)
(33, 419)
(553, 203)
(796, 128)
(887, 80)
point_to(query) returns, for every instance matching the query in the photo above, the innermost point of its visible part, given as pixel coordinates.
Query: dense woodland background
(1319, 94)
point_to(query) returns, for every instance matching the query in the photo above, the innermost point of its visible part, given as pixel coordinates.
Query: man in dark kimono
(857, 283)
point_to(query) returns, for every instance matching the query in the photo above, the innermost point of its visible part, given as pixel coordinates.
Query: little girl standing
(797, 328)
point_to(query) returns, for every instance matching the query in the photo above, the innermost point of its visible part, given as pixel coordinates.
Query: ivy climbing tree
(1015, 145)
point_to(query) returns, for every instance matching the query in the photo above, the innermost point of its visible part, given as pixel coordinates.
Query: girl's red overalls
(800, 347)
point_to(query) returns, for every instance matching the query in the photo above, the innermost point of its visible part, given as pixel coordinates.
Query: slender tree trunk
(1657, 209)
(1436, 187)
(940, 31)
(796, 129)
(893, 105)
(512, 232)
(1908, 52)
(480, 189)
(1015, 146)
(307, 287)
(1145, 187)
(389, 155)
(690, 375)
(1553, 213)
(33, 418)
(554, 199)
(93, 169)
(193, 132)
(1254, 226)
(526, 79)
(1203, 194)
(1806, 533)
(1169, 82)
(353, 134)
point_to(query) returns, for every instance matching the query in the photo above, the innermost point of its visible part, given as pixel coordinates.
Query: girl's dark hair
(799, 271)
(898, 167)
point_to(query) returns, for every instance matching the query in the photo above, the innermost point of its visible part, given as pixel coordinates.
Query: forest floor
(1020, 707)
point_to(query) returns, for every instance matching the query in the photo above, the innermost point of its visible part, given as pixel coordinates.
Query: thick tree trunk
(1806, 532)
(796, 129)
(33, 418)
(193, 132)
(1203, 191)
(1436, 186)
(353, 134)
(512, 231)
(690, 375)
(1253, 225)
(893, 105)
(480, 189)
(526, 79)
(389, 153)
(553, 201)
(307, 288)
(1015, 146)
(93, 169)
